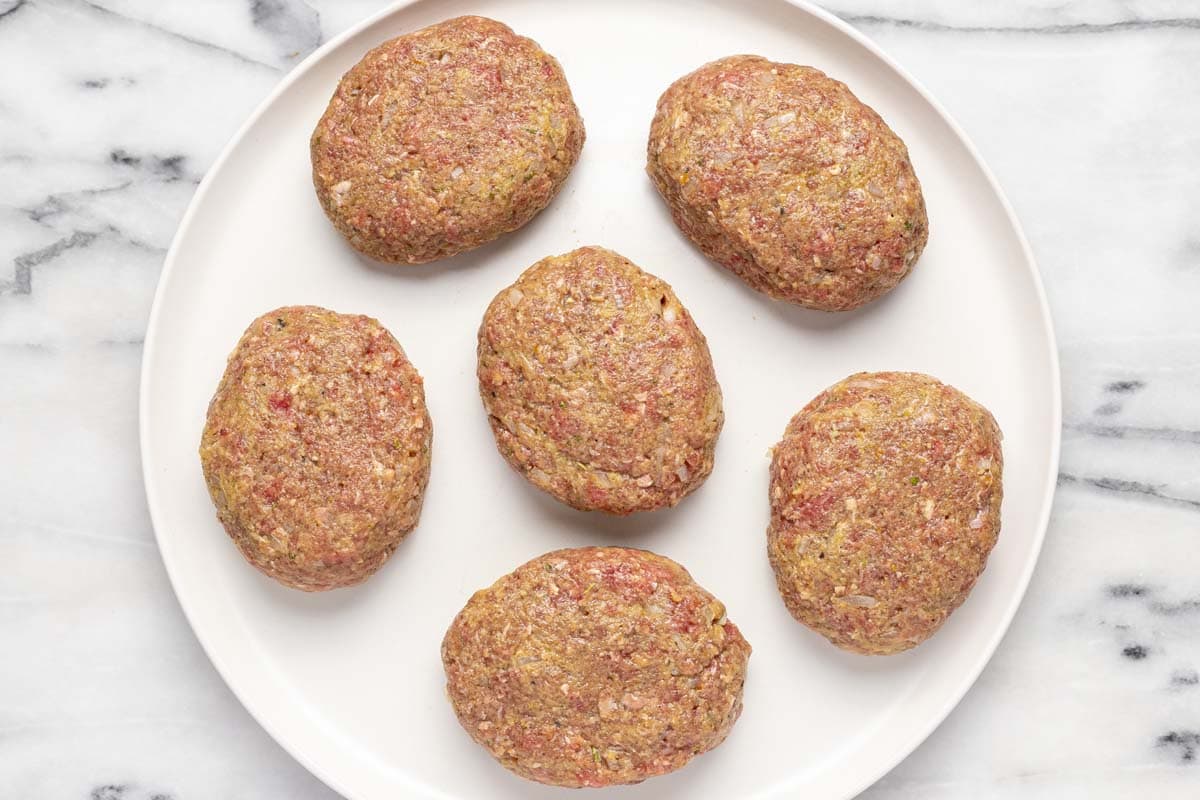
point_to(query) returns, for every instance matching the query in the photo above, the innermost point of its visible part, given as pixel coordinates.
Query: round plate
(350, 682)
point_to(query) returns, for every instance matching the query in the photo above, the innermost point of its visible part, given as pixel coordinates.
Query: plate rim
(311, 762)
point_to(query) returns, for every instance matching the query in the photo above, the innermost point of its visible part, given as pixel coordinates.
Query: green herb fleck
(548, 567)
(528, 177)
(908, 226)
(914, 480)
(596, 754)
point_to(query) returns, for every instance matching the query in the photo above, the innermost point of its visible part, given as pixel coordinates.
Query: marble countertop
(110, 112)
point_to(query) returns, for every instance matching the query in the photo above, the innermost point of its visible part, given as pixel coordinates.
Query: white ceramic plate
(350, 682)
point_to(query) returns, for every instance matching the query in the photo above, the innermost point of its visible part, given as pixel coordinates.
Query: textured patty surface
(316, 448)
(782, 175)
(443, 139)
(595, 666)
(885, 503)
(598, 385)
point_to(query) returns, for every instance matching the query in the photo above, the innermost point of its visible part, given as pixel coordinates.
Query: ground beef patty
(598, 385)
(443, 139)
(885, 502)
(595, 666)
(782, 175)
(316, 449)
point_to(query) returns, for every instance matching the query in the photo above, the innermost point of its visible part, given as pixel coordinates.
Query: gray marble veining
(111, 111)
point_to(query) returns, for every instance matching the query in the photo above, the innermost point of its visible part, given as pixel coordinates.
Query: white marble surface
(111, 110)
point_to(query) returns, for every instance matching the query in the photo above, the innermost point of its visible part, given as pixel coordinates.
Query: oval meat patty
(780, 174)
(316, 448)
(885, 503)
(598, 385)
(443, 139)
(595, 666)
